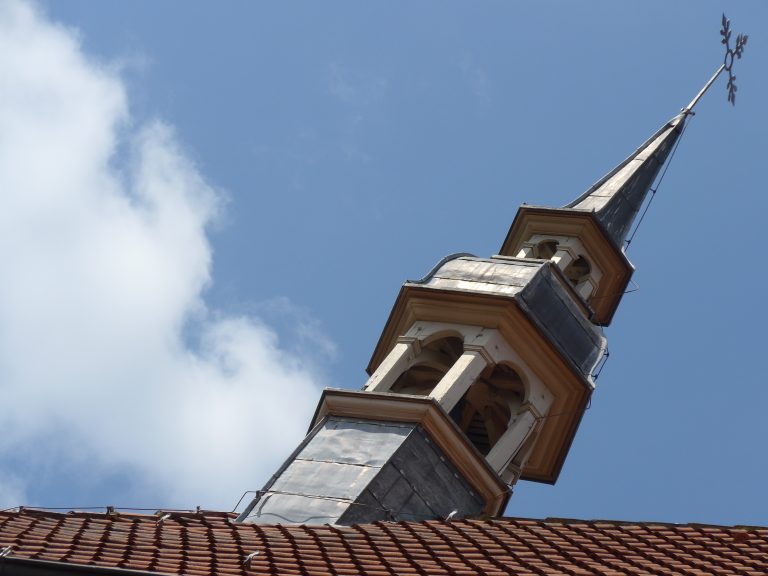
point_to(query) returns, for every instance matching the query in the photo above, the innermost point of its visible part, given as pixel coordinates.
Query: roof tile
(213, 544)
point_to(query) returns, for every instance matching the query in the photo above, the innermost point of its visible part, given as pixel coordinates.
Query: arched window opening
(484, 413)
(577, 270)
(545, 249)
(435, 359)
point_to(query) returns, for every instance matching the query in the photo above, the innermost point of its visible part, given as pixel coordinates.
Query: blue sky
(241, 188)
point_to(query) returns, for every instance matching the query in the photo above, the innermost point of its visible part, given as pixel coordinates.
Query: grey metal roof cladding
(535, 287)
(353, 471)
(548, 305)
(617, 197)
(493, 276)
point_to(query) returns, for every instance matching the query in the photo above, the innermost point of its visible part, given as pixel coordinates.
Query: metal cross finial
(730, 54)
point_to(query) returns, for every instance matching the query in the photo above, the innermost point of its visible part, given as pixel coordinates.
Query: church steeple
(482, 372)
(617, 197)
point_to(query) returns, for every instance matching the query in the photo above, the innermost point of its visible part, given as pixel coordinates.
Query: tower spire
(586, 237)
(617, 197)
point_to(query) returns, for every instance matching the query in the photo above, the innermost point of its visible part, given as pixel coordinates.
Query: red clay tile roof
(211, 543)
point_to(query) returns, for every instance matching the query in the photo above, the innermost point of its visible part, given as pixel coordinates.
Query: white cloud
(102, 272)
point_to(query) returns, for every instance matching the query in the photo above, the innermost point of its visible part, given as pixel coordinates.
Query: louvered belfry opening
(577, 270)
(486, 410)
(546, 249)
(435, 359)
(475, 429)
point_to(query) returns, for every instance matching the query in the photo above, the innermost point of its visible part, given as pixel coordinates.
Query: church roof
(211, 543)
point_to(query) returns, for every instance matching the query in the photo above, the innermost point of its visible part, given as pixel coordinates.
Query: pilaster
(459, 378)
(397, 361)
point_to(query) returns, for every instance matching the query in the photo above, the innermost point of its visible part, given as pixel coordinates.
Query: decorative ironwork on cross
(730, 55)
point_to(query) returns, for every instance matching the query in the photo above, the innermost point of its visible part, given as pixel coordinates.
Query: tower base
(353, 468)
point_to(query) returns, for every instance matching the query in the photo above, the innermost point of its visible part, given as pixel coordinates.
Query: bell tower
(482, 372)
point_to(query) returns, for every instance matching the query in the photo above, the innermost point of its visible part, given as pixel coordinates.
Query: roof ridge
(592, 521)
(175, 513)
